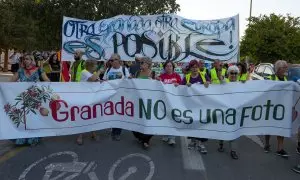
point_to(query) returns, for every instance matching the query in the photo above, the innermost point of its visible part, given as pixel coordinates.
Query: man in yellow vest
(202, 69)
(281, 68)
(77, 66)
(217, 73)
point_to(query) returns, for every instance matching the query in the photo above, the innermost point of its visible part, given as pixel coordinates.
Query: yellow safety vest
(188, 78)
(243, 77)
(275, 78)
(78, 72)
(214, 76)
(203, 72)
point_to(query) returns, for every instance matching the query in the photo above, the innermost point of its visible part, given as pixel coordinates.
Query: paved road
(59, 158)
(126, 159)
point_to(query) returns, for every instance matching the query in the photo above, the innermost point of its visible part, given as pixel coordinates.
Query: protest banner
(161, 37)
(225, 111)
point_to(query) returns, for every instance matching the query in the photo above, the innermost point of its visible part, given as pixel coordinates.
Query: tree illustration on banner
(30, 101)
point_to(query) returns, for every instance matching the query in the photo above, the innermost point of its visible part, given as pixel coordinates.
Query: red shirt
(170, 78)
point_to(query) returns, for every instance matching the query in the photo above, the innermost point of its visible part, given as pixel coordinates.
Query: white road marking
(257, 140)
(93, 176)
(192, 160)
(131, 170)
(88, 168)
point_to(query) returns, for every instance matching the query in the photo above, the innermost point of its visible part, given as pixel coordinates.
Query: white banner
(161, 37)
(219, 112)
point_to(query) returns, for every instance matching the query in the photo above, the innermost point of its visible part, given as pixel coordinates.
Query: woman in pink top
(170, 77)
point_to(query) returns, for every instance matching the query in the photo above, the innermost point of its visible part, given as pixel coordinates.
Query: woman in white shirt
(89, 74)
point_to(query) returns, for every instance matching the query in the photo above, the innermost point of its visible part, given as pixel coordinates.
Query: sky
(215, 9)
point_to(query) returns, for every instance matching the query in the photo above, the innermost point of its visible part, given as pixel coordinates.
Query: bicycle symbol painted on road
(71, 170)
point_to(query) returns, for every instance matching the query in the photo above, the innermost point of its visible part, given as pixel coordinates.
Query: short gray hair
(233, 68)
(90, 63)
(279, 64)
(115, 55)
(147, 60)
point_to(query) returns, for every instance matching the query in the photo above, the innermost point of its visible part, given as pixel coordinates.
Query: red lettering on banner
(95, 110)
(110, 106)
(121, 103)
(129, 109)
(73, 117)
(87, 112)
(54, 110)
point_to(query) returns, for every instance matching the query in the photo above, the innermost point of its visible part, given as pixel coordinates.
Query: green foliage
(36, 24)
(269, 38)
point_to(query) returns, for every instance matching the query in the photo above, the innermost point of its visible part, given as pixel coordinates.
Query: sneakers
(192, 144)
(202, 149)
(267, 148)
(282, 153)
(165, 139)
(221, 148)
(171, 142)
(234, 155)
(297, 169)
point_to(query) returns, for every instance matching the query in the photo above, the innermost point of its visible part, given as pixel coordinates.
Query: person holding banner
(202, 69)
(217, 73)
(194, 77)
(169, 77)
(144, 73)
(29, 72)
(89, 74)
(77, 66)
(116, 71)
(137, 65)
(232, 73)
(281, 68)
(243, 75)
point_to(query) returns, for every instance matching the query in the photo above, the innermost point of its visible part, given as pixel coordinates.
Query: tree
(36, 24)
(269, 38)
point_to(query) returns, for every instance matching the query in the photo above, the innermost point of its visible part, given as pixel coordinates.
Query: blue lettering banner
(161, 37)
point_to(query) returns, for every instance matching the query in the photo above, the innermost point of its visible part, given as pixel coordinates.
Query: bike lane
(59, 158)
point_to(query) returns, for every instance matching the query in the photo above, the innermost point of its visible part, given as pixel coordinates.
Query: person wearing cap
(195, 77)
(145, 72)
(169, 76)
(136, 67)
(77, 66)
(116, 71)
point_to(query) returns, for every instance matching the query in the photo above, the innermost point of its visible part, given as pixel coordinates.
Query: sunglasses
(233, 73)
